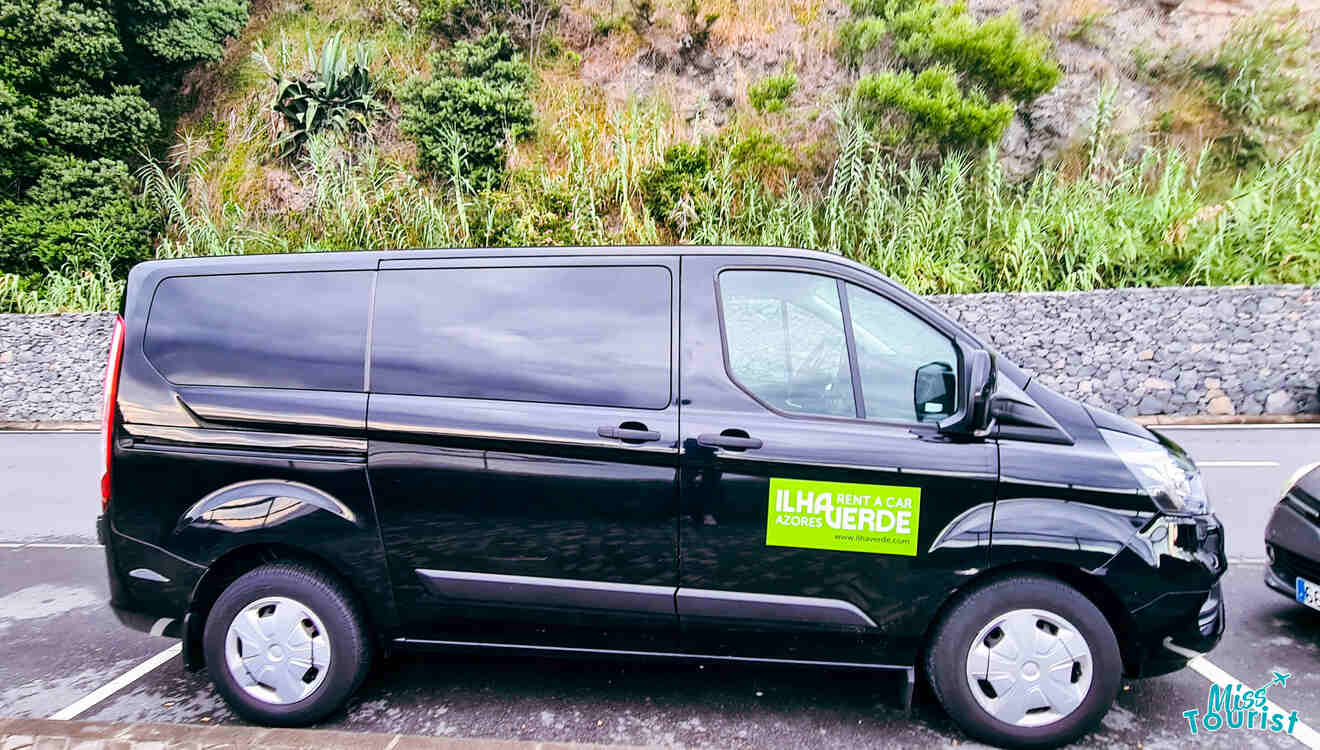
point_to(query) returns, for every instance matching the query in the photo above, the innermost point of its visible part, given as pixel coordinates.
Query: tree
(75, 77)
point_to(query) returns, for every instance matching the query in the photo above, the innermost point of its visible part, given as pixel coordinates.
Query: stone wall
(1242, 350)
(52, 367)
(1224, 351)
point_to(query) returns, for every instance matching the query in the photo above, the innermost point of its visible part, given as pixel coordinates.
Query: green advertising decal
(877, 518)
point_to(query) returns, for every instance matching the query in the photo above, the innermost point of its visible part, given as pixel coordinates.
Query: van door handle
(629, 434)
(732, 442)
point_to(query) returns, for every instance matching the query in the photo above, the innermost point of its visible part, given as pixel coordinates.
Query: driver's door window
(907, 368)
(785, 340)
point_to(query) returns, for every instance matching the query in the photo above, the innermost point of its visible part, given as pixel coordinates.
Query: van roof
(361, 259)
(149, 273)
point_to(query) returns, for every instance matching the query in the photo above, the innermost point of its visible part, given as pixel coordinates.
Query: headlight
(1165, 473)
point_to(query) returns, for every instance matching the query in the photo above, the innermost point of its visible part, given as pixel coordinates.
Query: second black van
(698, 453)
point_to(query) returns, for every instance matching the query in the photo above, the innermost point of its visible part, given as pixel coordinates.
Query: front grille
(1289, 566)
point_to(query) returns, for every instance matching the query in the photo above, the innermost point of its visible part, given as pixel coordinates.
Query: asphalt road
(59, 642)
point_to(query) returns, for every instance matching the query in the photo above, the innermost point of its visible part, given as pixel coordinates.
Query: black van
(751, 454)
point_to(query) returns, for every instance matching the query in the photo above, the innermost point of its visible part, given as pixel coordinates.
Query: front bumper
(1191, 621)
(1292, 540)
(1188, 612)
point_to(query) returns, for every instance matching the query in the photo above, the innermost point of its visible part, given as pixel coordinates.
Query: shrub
(996, 54)
(476, 100)
(931, 107)
(672, 189)
(335, 95)
(756, 153)
(526, 21)
(962, 81)
(858, 37)
(47, 46)
(114, 125)
(75, 80)
(770, 94)
(168, 36)
(78, 210)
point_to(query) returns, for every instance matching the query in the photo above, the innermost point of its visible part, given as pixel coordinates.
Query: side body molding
(627, 597)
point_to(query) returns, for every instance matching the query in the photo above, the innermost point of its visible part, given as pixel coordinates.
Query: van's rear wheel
(286, 645)
(1025, 661)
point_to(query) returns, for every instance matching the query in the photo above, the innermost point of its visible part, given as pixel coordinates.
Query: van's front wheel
(285, 645)
(1025, 661)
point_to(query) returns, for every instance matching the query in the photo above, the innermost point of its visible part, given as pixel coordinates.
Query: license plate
(1308, 593)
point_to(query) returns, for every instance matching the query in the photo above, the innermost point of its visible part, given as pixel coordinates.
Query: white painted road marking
(1239, 464)
(43, 545)
(1302, 732)
(117, 684)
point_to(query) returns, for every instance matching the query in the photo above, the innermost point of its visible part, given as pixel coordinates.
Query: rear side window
(597, 335)
(284, 330)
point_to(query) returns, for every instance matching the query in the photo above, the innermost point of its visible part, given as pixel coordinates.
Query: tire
(286, 645)
(988, 622)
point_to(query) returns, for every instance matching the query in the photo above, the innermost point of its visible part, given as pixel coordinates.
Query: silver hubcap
(277, 650)
(1029, 668)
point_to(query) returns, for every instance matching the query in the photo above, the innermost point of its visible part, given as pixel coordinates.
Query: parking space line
(1302, 732)
(47, 545)
(117, 684)
(1239, 464)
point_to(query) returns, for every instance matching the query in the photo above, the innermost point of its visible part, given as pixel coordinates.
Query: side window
(597, 335)
(303, 330)
(785, 342)
(908, 369)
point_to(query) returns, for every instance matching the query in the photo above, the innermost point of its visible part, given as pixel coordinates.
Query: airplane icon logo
(1279, 679)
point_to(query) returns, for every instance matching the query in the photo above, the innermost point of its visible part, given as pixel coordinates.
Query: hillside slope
(1021, 145)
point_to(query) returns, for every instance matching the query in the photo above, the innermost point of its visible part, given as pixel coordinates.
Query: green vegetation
(959, 80)
(474, 104)
(770, 94)
(75, 80)
(1257, 83)
(928, 108)
(476, 123)
(333, 94)
(958, 226)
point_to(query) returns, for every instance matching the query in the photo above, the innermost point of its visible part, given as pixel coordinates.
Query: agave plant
(332, 93)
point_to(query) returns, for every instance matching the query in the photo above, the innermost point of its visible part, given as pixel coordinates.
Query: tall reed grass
(960, 226)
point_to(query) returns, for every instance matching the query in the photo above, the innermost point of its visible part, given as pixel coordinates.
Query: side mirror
(978, 385)
(935, 391)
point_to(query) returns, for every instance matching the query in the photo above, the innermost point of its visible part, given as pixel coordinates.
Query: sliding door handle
(731, 442)
(629, 434)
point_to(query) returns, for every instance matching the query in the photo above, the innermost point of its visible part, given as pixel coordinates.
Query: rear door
(823, 515)
(523, 448)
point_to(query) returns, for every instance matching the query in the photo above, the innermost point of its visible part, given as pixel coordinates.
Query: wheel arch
(1092, 587)
(236, 562)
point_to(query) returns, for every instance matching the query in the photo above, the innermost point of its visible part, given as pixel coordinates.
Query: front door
(523, 449)
(823, 516)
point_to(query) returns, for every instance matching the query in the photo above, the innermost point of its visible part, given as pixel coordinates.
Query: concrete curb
(43, 734)
(51, 426)
(1210, 421)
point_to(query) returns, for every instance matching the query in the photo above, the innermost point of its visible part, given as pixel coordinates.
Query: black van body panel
(177, 445)
(724, 495)
(614, 529)
(520, 521)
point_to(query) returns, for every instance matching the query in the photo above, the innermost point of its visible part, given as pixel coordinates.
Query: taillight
(109, 396)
